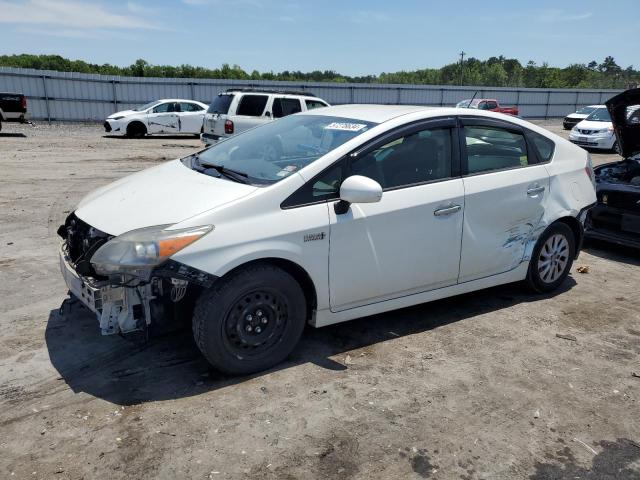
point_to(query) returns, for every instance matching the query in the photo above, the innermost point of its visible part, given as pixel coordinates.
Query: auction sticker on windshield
(347, 127)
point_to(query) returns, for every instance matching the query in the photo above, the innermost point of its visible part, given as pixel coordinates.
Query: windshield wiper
(236, 175)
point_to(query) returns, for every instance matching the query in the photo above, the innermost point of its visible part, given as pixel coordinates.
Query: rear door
(164, 118)
(191, 115)
(216, 114)
(506, 192)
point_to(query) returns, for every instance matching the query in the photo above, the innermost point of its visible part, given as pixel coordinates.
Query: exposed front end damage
(124, 303)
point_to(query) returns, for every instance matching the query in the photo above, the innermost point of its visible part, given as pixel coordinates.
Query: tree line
(494, 72)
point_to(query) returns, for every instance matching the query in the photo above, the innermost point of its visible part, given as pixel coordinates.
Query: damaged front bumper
(118, 308)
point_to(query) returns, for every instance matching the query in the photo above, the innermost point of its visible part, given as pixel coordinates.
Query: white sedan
(596, 131)
(167, 116)
(367, 209)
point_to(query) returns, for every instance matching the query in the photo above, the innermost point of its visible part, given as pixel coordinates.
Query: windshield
(599, 115)
(220, 104)
(271, 152)
(146, 106)
(468, 103)
(585, 110)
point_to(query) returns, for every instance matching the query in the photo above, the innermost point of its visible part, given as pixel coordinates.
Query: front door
(505, 197)
(164, 118)
(409, 242)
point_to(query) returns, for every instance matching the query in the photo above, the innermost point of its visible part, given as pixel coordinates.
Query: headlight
(137, 251)
(116, 118)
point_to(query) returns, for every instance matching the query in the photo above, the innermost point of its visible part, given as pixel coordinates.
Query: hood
(577, 115)
(591, 125)
(166, 194)
(123, 113)
(624, 109)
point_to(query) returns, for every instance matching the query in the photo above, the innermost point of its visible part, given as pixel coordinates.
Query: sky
(353, 37)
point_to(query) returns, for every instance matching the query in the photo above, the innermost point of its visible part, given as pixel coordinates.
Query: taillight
(24, 102)
(228, 127)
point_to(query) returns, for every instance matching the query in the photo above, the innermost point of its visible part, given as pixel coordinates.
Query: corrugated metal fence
(89, 97)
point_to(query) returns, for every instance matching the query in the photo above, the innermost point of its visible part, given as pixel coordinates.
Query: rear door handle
(534, 191)
(447, 210)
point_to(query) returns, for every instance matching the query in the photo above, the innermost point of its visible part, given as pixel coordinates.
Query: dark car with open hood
(616, 216)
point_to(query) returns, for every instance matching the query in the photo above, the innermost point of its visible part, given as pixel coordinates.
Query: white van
(235, 111)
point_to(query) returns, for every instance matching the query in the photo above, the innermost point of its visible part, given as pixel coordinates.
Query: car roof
(178, 100)
(368, 113)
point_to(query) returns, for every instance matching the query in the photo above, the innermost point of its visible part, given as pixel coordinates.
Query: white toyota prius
(365, 209)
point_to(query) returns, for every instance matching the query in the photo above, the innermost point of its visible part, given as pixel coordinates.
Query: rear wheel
(136, 130)
(250, 321)
(552, 258)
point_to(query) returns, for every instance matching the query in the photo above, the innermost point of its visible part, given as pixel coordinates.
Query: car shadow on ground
(155, 137)
(129, 370)
(12, 135)
(611, 251)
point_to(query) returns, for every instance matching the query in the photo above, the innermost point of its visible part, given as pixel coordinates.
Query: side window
(285, 106)
(633, 115)
(420, 157)
(494, 148)
(544, 147)
(311, 104)
(163, 108)
(491, 105)
(324, 187)
(482, 106)
(252, 105)
(189, 107)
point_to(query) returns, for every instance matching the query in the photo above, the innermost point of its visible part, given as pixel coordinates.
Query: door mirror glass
(359, 189)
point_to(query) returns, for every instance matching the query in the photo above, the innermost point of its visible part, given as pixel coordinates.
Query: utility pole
(462, 54)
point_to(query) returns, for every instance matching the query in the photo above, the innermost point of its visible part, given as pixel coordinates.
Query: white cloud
(556, 16)
(69, 14)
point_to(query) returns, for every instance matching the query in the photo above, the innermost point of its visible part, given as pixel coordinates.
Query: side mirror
(267, 114)
(358, 189)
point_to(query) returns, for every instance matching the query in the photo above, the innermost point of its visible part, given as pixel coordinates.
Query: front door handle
(447, 210)
(534, 191)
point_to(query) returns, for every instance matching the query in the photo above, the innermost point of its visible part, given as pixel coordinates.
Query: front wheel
(552, 258)
(616, 148)
(251, 320)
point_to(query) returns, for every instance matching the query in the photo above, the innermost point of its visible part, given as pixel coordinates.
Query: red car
(490, 104)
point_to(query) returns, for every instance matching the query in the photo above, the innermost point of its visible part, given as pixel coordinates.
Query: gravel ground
(497, 384)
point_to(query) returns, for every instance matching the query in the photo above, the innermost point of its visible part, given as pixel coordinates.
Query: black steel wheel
(136, 130)
(251, 320)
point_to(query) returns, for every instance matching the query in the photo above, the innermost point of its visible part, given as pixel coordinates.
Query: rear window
(220, 104)
(252, 105)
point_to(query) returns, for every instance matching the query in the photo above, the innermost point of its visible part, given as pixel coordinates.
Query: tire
(558, 245)
(136, 130)
(251, 320)
(616, 148)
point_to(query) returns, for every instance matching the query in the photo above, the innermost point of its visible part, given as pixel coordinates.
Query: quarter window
(494, 148)
(544, 147)
(285, 106)
(416, 158)
(324, 187)
(252, 105)
(311, 104)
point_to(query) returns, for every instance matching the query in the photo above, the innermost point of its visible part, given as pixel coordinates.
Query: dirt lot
(475, 387)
